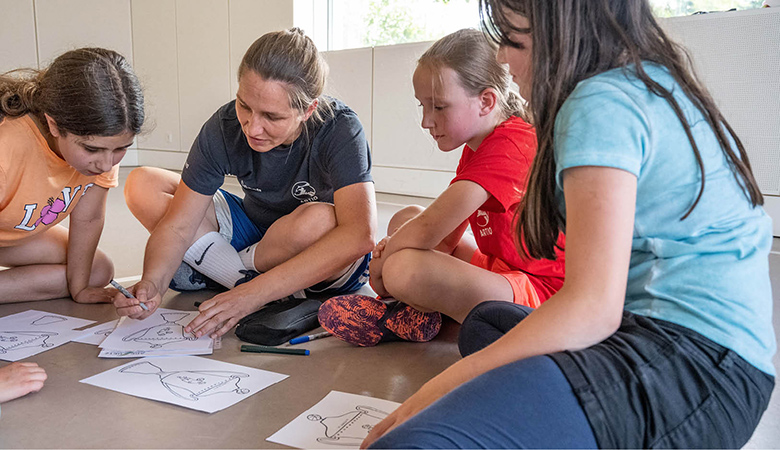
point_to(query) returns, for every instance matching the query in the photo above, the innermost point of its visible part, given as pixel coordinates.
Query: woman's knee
(311, 221)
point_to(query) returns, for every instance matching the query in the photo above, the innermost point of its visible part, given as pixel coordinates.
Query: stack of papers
(161, 334)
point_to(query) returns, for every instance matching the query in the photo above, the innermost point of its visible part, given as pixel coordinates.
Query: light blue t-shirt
(709, 272)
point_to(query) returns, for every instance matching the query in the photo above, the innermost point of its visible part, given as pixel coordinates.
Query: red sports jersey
(500, 165)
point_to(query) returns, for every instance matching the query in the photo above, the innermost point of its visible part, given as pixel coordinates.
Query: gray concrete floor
(67, 414)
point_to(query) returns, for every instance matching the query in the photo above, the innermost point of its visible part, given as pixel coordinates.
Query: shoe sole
(365, 321)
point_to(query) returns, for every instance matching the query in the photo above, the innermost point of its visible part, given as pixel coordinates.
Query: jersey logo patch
(304, 192)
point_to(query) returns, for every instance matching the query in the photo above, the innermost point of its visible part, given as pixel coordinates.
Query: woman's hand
(95, 295)
(221, 313)
(145, 291)
(20, 378)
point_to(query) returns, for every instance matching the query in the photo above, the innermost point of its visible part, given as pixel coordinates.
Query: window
(368, 23)
(343, 24)
(668, 8)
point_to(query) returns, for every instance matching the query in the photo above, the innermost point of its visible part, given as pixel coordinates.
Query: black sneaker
(189, 279)
(249, 275)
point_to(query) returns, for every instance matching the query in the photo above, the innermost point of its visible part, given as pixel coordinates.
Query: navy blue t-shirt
(331, 155)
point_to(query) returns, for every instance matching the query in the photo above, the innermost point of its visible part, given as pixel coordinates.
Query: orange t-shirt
(37, 188)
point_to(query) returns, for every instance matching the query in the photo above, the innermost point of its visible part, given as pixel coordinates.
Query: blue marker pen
(127, 294)
(311, 337)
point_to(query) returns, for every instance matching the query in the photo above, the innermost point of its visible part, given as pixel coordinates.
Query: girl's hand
(375, 276)
(145, 291)
(380, 247)
(95, 295)
(220, 314)
(20, 378)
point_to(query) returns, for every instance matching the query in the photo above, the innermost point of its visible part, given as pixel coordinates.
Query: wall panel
(202, 38)
(17, 35)
(156, 64)
(67, 24)
(250, 19)
(349, 80)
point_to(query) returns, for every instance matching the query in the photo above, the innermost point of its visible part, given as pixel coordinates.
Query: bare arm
(165, 250)
(352, 238)
(439, 227)
(86, 225)
(600, 206)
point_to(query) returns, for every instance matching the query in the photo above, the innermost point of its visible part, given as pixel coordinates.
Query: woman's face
(264, 112)
(90, 155)
(518, 58)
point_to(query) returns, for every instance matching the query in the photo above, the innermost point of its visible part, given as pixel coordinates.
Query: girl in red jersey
(428, 262)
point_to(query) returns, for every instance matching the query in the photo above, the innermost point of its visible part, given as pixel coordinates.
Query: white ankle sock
(214, 257)
(248, 256)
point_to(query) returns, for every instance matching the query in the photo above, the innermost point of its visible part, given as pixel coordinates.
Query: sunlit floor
(391, 371)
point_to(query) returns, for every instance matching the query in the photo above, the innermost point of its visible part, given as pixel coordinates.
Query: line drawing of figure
(15, 340)
(166, 333)
(47, 320)
(192, 384)
(350, 428)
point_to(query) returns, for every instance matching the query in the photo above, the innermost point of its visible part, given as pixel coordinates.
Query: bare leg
(294, 233)
(37, 268)
(433, 281)
(148, 193)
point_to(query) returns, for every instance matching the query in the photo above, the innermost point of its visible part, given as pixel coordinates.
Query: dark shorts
(655, 384)
(652, 384)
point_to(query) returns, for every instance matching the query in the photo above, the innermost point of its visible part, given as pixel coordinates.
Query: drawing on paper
(166, 333)
(15, 340)
(48, 320)
(350, 428)
(192, 384)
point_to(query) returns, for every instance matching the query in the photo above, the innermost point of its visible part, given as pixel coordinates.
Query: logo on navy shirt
(304, 192)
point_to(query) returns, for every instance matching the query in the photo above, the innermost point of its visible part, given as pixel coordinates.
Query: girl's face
(518, 58)
(450, 113)
(90, 155)
(264, 112)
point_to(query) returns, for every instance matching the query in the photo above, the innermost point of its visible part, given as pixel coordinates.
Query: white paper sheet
(188, 381)
(95, 335)
(110, 353)
(338, 420)
(163, 330)
(31, 332)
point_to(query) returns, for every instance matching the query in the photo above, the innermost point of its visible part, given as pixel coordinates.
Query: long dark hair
(87, 91)
(577, 39)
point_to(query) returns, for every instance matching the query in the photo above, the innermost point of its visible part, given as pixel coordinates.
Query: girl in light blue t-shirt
(662, 333)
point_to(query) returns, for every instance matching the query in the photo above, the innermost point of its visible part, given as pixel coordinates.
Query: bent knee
(313, 219)
(403, 270)
(143, 182)
(403, 216)
(102, 270)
